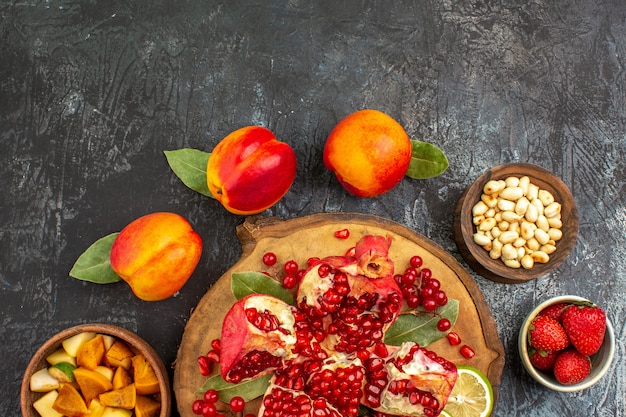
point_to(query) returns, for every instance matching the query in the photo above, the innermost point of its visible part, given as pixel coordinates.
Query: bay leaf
(248, 390)
(189, 165)
(421, 326)
(94, 264)
(427, 160)
(245, 283)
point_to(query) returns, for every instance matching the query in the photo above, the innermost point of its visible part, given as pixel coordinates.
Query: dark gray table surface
(92, 93)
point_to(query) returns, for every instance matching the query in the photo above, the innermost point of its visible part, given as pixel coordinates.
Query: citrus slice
(472, 395)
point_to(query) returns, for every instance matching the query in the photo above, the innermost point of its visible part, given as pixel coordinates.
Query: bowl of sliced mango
(95, 369)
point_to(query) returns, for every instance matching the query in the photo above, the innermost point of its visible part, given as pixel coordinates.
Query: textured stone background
(92, 93)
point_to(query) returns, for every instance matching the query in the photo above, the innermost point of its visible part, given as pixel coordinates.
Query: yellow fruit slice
(472, 395)
(70, 403)
(147, 407)
(144, 376)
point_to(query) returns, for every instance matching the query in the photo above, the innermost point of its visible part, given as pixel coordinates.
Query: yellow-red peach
(369, 152)
(156, 254)
(250, 170)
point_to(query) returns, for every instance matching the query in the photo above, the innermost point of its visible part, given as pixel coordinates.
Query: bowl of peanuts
(517, 222)
(95, 369)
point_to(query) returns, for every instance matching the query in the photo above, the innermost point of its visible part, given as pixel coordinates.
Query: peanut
(517, 222)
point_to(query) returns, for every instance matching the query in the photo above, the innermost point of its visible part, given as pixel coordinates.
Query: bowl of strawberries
(567, 343)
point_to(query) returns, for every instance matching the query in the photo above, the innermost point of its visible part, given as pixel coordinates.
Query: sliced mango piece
(60, 355)
(90, 353)
(145, 378)
(62, 372)
(44, 405)
(121, 398)
(70, 403)
(121, 378)
(42, 381)
(91, 383)
(72, 344)
(147, 407)
(119, 354)
(116, 412)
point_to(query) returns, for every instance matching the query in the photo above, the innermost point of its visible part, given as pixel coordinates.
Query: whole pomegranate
(327, 352)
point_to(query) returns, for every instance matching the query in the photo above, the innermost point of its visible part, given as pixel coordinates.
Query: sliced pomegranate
(352, 299)
(410, 381)
(257, 337)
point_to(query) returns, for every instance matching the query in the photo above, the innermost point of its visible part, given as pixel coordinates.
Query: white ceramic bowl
(600, 361)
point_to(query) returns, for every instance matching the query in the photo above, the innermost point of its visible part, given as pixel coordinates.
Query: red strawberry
(571, 367)
(542, 359)
(555, 311)
(545, 333)
(585, 325)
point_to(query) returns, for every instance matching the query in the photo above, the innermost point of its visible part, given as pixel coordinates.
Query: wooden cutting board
(313, 235)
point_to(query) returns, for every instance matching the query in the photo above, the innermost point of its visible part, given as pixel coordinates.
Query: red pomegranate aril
(413, 301)
(441, 298)
(312, 261)
(290, 281)
(443, 325)
(342, 234)
(291, 267)
(196, 407)
(467, 352)
(416, 261)
(209, 410)
(453, 338)
(237, 404)
(429, 304)
(324, 270)
(216, 345)
(211, 396)
(269, 258)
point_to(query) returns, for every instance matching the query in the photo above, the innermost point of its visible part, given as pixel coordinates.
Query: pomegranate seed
(443, 325)
(453, 338)
(413, 301)
(289, 281)
(342, 234)
(196, 407)
(467, 352)
(204, 365)
(211, 396)
(429, 304)
(351, 251)
(269, 258)
(237, 404)
(209, 410)
(416, 261)
(216, 345)
(291, 267)
(312, 261)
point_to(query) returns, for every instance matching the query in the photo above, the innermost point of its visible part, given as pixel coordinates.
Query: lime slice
(472, 395)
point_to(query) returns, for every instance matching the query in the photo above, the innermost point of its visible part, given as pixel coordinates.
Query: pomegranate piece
(411, 381)
(257, 336)
(352, 299)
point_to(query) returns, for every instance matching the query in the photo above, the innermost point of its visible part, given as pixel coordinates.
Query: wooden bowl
(600, 361)
(494, 269)
(38, 361)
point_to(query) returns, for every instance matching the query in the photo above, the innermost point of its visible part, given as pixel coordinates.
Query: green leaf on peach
(248, 390)
(94, 264)
(427, 161)
(421, 326)
(245, 283)
(189, 165)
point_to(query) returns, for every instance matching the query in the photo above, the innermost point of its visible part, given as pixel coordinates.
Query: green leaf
(190, 166)
(245, 283)
(427, 161)
(94, 264)
(248, 390)
(421, 326)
